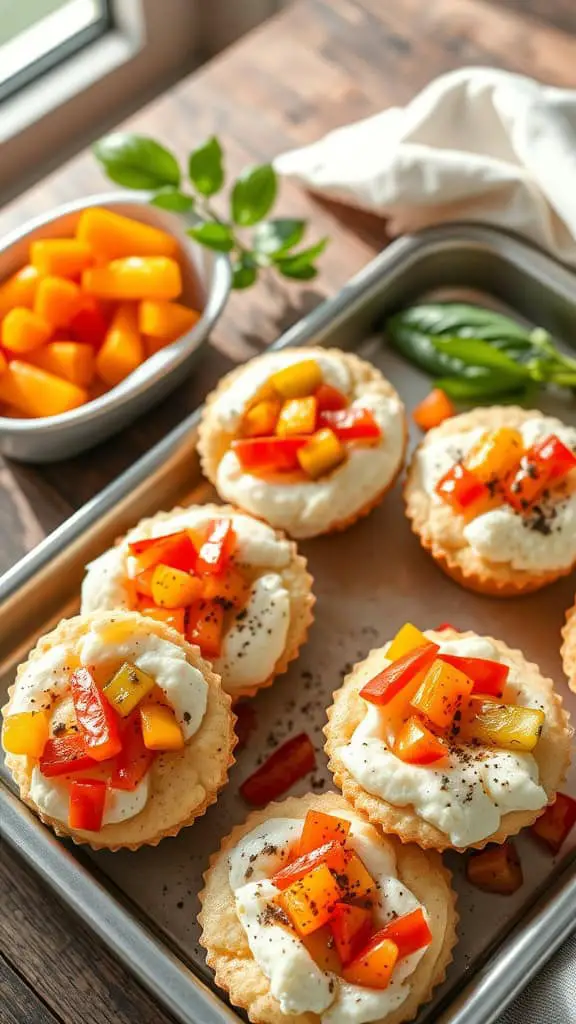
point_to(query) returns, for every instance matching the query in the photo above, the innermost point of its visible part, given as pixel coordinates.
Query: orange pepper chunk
(496, 869)
(433, 410)
(495, 454)
(68, 359)
(373, 966)
(122, 351)
(297, 417)
(23, 330)
(322, 948)
(3, 362)
(26, 733)
(462, 489)
(160, 730)
(415, 744)
(558, 819)
(143, 582)
(112, 235)
(173, 588)
(166, 320)
(231, 588)
(330, 399)
(58, 300)
(309, 902)
(135, 277)
(60, 257)
(407, 639)
(332, 854)
(321, 454)
(19, 290)
(443, 693)
(260, 420)
(174, 617)
(319, 829)
(205, 627)
(355, 881)
(36, 393)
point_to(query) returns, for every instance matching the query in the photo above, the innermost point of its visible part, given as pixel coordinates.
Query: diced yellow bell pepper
(443, 692)
(260, 420)
(57, 300)
(167, 320)
(127, 688)
(26, 733)
(160, 730)
(502, 725)
(172, 588)
(322, 948)
(36, 393)
(60, 257)
(19, 290)
(297, 380)
(297, 416)
(407, 639)
(322, 453)
(23, 330)
(310, 901)
(231, 587)
(136, 277)
(495, 454)
(111, 235)
(122, 351)
(115, 632)
(71, 360)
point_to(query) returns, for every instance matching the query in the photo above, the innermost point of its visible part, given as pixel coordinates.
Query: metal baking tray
(144, 905)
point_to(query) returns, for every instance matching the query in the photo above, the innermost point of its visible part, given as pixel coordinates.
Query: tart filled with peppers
(310, 913)
(307, 439)
(117, 732)
(227, 582)
(448, 739)
(491, 495)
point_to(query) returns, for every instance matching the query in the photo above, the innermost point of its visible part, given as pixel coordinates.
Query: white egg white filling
(307, 507)
(255, 640)
(502, 534)
(467, 798)
(299, 985)
(44, 685)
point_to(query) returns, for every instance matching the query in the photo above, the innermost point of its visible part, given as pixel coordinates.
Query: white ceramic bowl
(57, 437)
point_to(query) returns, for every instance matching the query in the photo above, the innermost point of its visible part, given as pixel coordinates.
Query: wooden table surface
(320, 64)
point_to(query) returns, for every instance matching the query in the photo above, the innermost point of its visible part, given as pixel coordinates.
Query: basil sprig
(138, 162)
(476, 354)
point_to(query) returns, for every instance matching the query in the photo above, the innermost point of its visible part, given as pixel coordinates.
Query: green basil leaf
(459, 319)
(253, 195)
(136, 161)
(273, 237)
(244, 271)
(419, 349)
(205, 167)
(484, 386)
(299, 264)
(306, 273)
(172, 199)
(213, 235)
(473, 352)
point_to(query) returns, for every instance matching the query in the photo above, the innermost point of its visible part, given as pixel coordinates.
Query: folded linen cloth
(476, 144)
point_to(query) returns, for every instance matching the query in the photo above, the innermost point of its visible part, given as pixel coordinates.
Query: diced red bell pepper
(134, 760)
(97, 721)
(205, 626)
(351, 424)
(269, 454)
(496, 869)
(558, 819)
(217, 549)
(543, 463)
(331, 854)
(489, 677)
(319, 829)
(174, 549)
(89, 325)
(557, 456)
(445, 625)
(351, 928)
(409, 932)
(64, 755)
(289, 763)
(388, 683)
(460, 488)
(86, 808)
(329, 399)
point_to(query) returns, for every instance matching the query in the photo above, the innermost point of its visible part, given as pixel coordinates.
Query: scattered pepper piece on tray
(289, 763)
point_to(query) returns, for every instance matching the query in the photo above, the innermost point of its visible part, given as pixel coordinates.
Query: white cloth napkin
(476, 144)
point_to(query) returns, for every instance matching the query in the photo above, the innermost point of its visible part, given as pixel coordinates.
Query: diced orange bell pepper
(322, 948)
(409, 932)
(495, 724)
(322, 453)
(373, 966)
(122, 350)
(87, 802)
(135, 277)
(351, 424)
(392, 680)
(489, 677)
(496, 454)
(351, 928)
(174, 549)
(356, 881)
(319, 829)
(496, 869)
(143, 582)
(23, 330)
(309, 902)
(154, 345)
(205, 627)
(230, 587)
(3, 362)
(134, 760)
(443, 693)
(433, 410)
(19, 290)
(36, 393)
(111, 235)
(461, 489)
(298, 379)
(172, 588)
(297, 416)
(26, 733)
(268, 454)
(558, 819)
(167, 320)
(415, 744)
(89, 326)
(218, 547)
(545, 462)
(260, 420)
(333, 855)
(67, 359)
(65, 755)
(160, 730)
(407, 639)
(97, 722)
(174, 617)
(58, 300)
(60, 257)
(328, 398)
(290, 762)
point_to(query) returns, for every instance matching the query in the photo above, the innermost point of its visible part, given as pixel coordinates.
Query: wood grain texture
(18, 1002)
(322, 63)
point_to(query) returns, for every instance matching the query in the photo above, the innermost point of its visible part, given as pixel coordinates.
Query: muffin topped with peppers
(117, 732)
(229, 583)
(310, 913)
(307, 439)
(448, 739)
(492, 496)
